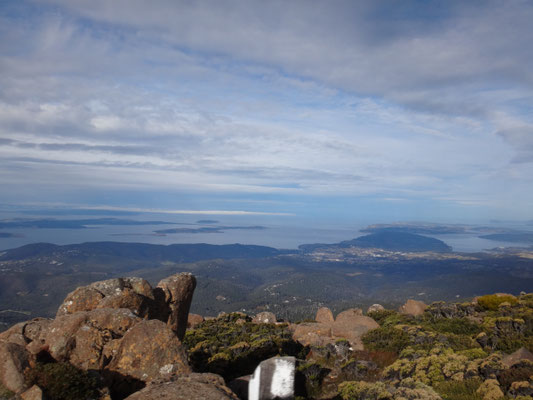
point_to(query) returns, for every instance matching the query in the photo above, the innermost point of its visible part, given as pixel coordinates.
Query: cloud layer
(413, 101)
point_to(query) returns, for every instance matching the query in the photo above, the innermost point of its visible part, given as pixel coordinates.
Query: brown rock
(34, 329)
(33, 393)
(265, 317)
(13, 361)
(519, 355)
(351, 325)
(178, 291)
(193, 320)
(348, 314)
(15, 334)
(27, 334)
(413, 307)
(83, 338)
(83, 298)
(190, 387)
(312, 333)
(150, 350)
(133, 293)
(324, 315)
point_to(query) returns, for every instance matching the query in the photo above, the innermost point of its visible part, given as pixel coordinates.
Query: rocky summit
(124, 339)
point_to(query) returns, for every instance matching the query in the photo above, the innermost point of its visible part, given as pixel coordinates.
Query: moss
(63, 381)
(459, 390)
(492, 301)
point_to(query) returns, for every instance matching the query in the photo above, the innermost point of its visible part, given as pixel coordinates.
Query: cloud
(394, 99)
(521, 138)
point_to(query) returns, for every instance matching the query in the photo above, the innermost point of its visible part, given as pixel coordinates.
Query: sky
(302, 110)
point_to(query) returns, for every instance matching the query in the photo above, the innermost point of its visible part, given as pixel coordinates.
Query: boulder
(324, 315)
(193, 320)
(188, 387)
(25, 332)
(178, 291)
(519, 355)
(87, 339)
(33, 393)
(312, 334)
(150, 350)
(134, 294)
(351, 325)
(374, 308)
(15, 334)
(273, 379)
(83, 298)
(348, 314)
(264, 317)
(413, 307)
(14, 359)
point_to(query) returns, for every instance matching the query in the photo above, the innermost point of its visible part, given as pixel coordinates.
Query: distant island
(73, 223)
(417, 228)
(388, 240)
(207, 221)
(523, 237)
(7, 235)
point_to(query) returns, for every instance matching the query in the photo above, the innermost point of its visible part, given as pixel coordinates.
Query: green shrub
(473, 354)
(389, 318)
(386, 339)
(63, 381)
(509, 344)
(313, 374)
(460, 342)
(356, 390)
(232, 349)
(381, 315)
(515, 374)
(459, 390)
(492, 302)
(458, 326)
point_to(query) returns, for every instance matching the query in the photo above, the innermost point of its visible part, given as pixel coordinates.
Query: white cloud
(269, 97)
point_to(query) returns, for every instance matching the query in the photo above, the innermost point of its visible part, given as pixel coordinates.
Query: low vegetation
(232, 345)
(62, 381)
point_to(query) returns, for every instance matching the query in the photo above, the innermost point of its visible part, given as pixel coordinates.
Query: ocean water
(282, 236)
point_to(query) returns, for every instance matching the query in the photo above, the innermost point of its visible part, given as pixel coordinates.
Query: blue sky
(390, 110)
